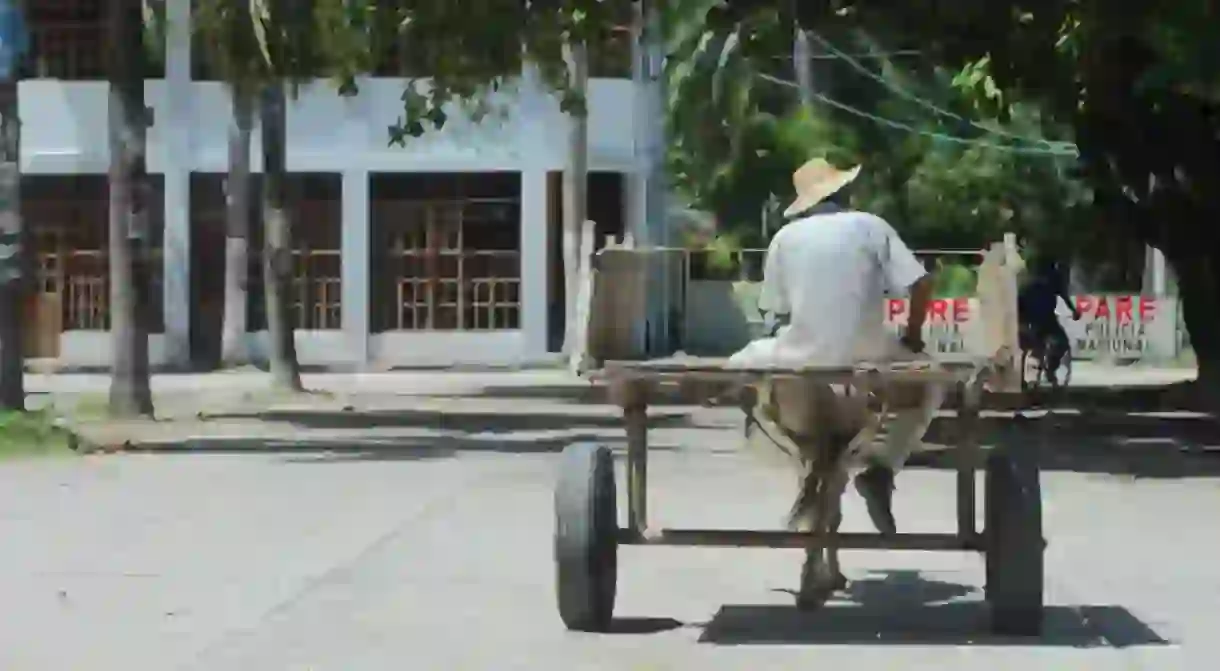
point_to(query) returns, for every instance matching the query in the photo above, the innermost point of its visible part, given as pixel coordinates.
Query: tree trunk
(1198, 275)
(575, 189)
(237, 229)
(130, 393)
(277, 245)
(13, 261)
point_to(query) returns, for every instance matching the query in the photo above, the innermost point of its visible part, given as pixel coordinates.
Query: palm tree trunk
(13, 261)
(575, 189)
(277, 246)
(237, 228)
(130, 393)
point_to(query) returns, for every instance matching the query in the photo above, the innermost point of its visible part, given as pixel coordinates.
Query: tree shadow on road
(1149, 397)
(454, 417)
(1141, 445)
(906, 608)
(399, 448)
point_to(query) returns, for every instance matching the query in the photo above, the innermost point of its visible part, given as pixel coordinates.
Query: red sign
(956, 310)
(1121, 309)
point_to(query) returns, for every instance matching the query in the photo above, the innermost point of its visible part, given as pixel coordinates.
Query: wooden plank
(951, 370)
(635, 415)
(744, 538)
(996, 328)
(968, 452)
(707, 364)
(754, 375)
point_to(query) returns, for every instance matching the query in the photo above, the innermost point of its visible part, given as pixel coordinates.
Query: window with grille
(68, 220)
(316, 209)
(447, 252)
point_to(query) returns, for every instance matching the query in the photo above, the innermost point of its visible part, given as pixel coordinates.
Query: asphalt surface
(1085, 374)
(440, 560)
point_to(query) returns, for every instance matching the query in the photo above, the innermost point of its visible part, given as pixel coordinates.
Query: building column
(176, 117)
(354, 264)
(532, 144)
(534, 246)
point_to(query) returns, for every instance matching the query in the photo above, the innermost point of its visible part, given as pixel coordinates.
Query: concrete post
(534, 225)
(354, 270)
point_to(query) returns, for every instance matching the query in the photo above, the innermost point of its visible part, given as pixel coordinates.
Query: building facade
(445, 251)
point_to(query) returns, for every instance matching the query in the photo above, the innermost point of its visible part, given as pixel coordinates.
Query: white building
(445, 251)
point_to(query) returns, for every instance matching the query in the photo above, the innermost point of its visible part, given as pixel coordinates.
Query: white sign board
(1116, 326)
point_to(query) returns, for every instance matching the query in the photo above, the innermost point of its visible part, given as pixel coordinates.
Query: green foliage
(737, 134)
(252, 42)
(954, 280)
(1139, 82)
(461, 54)
(155, 29)
(722, 251)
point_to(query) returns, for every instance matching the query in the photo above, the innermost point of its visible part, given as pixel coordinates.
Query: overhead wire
(943, 137)
(906, 95)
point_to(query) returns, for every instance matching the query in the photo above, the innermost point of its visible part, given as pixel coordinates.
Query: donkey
(826, 432)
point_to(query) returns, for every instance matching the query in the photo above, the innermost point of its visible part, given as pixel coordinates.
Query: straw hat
(816, 181)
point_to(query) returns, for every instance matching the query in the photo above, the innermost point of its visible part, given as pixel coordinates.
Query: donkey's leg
(815, 578)
(813, 592)
(834, 496)
(831, 507)
(821, 576)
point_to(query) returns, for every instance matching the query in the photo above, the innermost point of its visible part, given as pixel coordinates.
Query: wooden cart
(587, 531)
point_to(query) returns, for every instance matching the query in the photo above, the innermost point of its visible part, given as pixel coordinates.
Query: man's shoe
(876, 486)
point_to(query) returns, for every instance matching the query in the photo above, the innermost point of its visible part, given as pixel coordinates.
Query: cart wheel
(1014, 558)
(586, 537)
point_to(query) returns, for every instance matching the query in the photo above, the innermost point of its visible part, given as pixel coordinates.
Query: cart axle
(743, 538)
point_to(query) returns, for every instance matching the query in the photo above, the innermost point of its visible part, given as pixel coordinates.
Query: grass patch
(85, 407)
(32, 434)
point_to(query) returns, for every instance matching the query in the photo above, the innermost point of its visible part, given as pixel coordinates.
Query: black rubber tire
(586, 537)
(1015, 545)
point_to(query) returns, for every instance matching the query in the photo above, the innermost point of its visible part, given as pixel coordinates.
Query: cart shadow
(905, 608)
(1140, 445)
(640, 626)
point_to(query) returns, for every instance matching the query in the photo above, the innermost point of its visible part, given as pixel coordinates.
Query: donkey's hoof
(815, 596)
(813, 599)
(810, 602)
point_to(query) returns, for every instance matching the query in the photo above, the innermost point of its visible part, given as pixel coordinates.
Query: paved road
(440, 560)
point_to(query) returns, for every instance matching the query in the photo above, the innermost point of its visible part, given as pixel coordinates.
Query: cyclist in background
(1036, 305)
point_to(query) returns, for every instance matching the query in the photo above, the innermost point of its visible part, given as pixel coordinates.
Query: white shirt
(830, 273)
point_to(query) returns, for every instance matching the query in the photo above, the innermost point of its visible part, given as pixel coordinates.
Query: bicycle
(1034, 372)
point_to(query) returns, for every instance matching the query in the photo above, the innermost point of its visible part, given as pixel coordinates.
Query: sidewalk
(535, 411)
(1086, 374)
